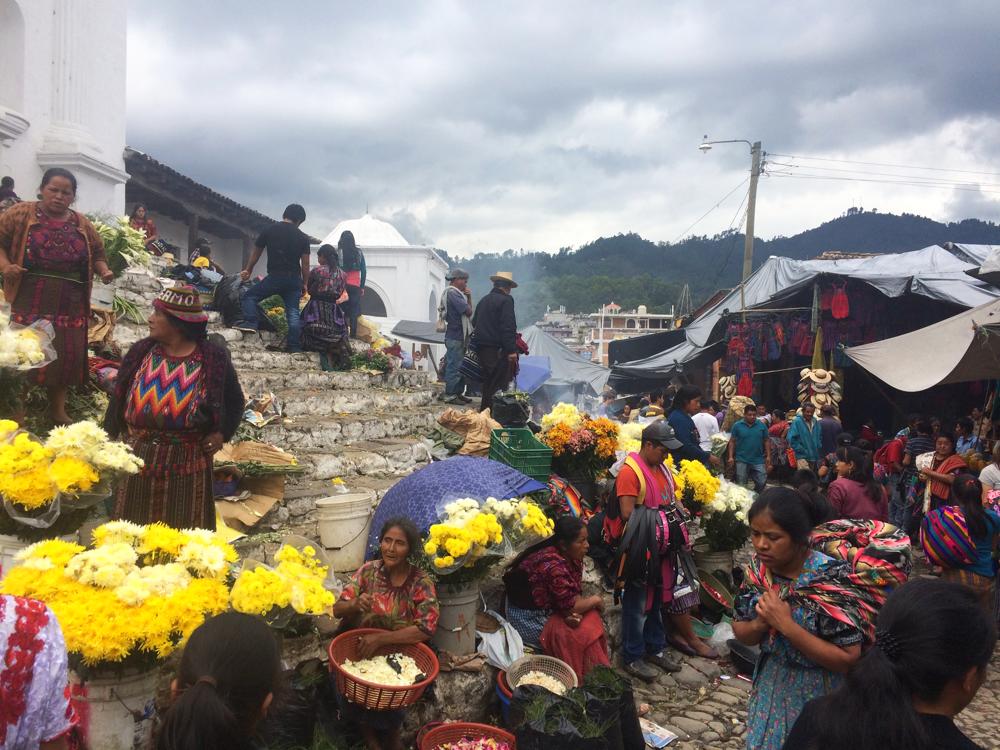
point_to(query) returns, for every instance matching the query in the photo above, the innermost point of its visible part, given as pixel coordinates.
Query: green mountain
(631, 270)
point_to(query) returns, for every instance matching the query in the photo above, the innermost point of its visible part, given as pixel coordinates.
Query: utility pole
(751, 207)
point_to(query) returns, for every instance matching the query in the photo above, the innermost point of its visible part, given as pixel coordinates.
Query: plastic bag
(721, 634)
(227, 298)
(511, 411)
(291, 721)
(503, 647)
(545, 721)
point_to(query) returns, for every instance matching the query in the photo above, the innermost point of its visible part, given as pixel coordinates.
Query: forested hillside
(631, 270)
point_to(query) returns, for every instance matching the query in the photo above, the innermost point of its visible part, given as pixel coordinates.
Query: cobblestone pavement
(708, 711)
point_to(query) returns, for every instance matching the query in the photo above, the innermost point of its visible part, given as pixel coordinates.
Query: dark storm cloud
(542, 125)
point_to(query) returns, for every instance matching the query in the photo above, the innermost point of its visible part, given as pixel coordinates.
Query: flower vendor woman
(799, 605)
(178, 399)
(393, 594)
(544, 587)
(48, 256)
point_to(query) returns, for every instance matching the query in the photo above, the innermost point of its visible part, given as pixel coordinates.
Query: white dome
(368, 232)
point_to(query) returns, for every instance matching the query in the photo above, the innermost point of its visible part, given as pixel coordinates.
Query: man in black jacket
(495, 332)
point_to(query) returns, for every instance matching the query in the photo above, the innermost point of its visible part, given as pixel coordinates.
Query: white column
(68, 131)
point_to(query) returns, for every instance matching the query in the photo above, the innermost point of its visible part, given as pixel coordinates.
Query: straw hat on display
(820, 377)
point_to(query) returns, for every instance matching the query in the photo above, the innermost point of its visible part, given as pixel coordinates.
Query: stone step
(388, 457)
(303, 378)
(329, 402)
(302, 433)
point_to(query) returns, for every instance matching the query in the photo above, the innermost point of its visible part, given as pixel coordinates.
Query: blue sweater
(687, 433)
(806, 444)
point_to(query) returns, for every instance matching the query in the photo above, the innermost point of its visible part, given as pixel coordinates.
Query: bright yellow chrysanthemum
(72, 475)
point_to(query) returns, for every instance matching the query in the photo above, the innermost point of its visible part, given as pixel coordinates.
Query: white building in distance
(62, 96)
(404, 282)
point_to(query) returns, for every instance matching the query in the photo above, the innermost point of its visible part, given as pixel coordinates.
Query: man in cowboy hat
(456, 311)
(496, 336)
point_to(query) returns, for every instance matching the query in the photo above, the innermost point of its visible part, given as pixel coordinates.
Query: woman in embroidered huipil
(324, 326)
(48, 256)
(178, 399)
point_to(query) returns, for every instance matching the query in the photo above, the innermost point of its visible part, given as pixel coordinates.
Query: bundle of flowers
(294, 585)
(131, 599)
(371, 359)
(581, 447)
(123, 244)
(523, 521)
(25, 477)
(630, 437)
(697, 485)
(24, 347)
(86, 442)
(564, 414)
(720, 444)
(463, 536)
(724, 518)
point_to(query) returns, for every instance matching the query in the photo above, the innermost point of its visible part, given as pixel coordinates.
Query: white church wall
(62, 96)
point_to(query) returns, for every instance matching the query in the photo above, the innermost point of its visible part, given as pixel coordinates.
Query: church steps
(255, 380)
(326, 403)
(305, 433)
(382, 457)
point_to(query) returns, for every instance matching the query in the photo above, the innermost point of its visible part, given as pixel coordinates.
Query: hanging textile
(814, 322)
(840, 306)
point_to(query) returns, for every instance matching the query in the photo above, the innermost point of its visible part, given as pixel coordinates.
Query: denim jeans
(757, 474)
(454, 352)
(642, 632)
(899, 512)
(288, 286)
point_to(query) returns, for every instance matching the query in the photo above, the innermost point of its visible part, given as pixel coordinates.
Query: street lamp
(755, 157)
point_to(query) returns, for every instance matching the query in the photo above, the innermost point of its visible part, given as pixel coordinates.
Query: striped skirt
(175, 486)
(982, 586)
(64, 303)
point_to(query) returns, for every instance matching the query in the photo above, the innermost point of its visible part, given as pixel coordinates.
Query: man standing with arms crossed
(496, 336)
(750, 449)
(287, 272)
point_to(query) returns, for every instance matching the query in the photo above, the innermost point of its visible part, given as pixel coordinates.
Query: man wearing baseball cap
(457, 315)
(644, 481)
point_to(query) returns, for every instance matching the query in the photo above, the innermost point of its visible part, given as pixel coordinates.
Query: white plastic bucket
(118, 711)
(456, 630)
(344, 522)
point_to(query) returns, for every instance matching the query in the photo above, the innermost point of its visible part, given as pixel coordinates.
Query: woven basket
(368, 694)
(549, 665)
(455, 731)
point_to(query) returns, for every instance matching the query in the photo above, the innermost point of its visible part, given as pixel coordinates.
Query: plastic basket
(369, 694)
(455, 731)
(549, 665)
(520, 449)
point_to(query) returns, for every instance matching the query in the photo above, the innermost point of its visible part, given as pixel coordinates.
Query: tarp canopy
(418, 330)
(935, 272)
(564, 362)
(959, 349)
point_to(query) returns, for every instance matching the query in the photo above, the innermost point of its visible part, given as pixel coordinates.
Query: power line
(885, 164)
(904, 183)
(914, 178)
(719, 203)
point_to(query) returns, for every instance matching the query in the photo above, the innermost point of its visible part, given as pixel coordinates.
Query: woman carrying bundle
(961, 538)
(933, 644)
(545, 601)
(324, 325)
(806, 643)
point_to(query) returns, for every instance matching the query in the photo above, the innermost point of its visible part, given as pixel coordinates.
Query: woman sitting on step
(545, 601)
(324, 324)
(393, 594)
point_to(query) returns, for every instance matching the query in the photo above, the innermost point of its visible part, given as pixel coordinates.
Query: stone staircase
(360, 426)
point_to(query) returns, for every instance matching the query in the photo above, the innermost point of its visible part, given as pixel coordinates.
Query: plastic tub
(344, 521)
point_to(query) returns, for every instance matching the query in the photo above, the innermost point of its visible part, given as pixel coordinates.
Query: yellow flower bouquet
(467, 538)
(286, 594)
(131, 599)
(696, 485)
(86, 444)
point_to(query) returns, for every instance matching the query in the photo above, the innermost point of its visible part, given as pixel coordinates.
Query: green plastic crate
(520, 449)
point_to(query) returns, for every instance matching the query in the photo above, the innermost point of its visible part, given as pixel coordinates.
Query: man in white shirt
(707, 425)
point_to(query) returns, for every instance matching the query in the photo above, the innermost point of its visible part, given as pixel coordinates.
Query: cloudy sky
(538, 125)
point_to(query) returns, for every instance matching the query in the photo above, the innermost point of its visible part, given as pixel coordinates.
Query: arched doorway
(372, 304)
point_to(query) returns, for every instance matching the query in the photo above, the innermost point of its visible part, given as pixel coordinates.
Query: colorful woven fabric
(182, 302)
(945, 537)
(166, 392)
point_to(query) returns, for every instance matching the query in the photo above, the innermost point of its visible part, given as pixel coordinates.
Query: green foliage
(631, 270)
(724, 531)
(274, 309)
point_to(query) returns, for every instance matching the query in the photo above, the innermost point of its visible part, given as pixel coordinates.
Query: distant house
(611, 323)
